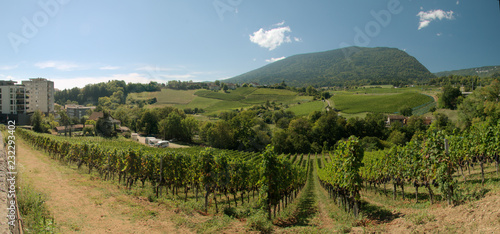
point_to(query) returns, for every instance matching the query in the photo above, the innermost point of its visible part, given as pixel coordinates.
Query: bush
(36, 216)
(127, 135)
(259, 222)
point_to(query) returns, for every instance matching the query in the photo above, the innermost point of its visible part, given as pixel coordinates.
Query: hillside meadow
(351, 103)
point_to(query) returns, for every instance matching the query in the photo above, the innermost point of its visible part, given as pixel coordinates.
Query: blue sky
(75, 42)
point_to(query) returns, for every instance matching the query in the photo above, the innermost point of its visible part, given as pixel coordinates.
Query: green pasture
(387, 103)
(167, 96)
(307, 108)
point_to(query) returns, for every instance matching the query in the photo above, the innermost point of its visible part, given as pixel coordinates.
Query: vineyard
(432, 165)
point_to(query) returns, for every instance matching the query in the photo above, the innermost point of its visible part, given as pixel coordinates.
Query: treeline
(185, 85)
(115, 89)
(469, 83)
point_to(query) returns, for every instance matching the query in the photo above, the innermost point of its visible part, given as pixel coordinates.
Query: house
(231, 86)
(74, 128)
(97, 115)
(213, 86)
(404, 120)
(77, 111)
(396, 118)
(427, 121)
(123, 129)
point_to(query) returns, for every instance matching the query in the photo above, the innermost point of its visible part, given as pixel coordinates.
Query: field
(352, 103)
(307, 108)
(167, 96)
(213, 102)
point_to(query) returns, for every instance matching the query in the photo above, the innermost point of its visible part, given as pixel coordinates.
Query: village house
(391, 119)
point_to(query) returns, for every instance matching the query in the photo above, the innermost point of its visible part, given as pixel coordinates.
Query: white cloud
(297, 39)
(151, 68)
(271, 38)
(458, 2)
(427, 17)
(6, 77)
(177, 77)
(439, 34)
(272, 60)
(280, 23)
(7, 67)
(109, 68)
(59, 65)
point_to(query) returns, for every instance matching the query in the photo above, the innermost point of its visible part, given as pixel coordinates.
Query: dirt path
(325, 222)
(82, 203)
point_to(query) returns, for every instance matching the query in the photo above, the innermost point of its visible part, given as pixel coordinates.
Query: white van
(161, 144)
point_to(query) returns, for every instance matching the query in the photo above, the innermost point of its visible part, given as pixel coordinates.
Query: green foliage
(32, 208)
(260, 222)
(104, 127)
(341, 176)
(478, 71)
(449, 97)
(406, 111)
(38, 123)
(347, 66)
(116, 91)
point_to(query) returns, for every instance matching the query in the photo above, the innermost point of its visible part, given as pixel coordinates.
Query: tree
(149, 122)
(225, 87)
(37, 122)
(396, 137)
(406, 111)
(104, 127)
(449, 97)
(64, 120)
(221, 135)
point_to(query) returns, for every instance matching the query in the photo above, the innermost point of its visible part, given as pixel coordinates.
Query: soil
(82, 205)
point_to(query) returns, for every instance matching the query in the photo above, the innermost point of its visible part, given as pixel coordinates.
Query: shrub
(259, 222)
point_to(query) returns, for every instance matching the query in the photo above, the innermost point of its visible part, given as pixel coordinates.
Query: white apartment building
(39, 95)
(12, 98)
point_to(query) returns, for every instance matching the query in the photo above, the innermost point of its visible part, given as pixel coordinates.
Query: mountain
(347, 66)
(487, 71)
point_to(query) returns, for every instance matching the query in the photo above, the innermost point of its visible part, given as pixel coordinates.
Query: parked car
(162, 144)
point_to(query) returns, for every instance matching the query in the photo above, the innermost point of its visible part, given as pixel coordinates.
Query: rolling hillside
(348, 66)
(477, 71)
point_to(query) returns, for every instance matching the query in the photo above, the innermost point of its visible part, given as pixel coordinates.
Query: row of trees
(115, 90)
(212, 171)
(432, 158)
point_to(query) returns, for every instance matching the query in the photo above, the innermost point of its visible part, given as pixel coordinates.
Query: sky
(76, 42)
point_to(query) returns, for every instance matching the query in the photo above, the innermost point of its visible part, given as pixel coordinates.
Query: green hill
(487, 71)
(347, 66)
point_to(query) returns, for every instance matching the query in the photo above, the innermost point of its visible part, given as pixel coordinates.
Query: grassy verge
(35, 215)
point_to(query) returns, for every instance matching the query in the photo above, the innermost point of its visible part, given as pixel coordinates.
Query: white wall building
(40, 95)
(12, 98)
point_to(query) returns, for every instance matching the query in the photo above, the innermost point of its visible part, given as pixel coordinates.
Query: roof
(396, 117)
(123, 129)
(96, 115)
(76, 126)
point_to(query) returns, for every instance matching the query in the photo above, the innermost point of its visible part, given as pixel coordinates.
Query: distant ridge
(347, 66)
(486, 71)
